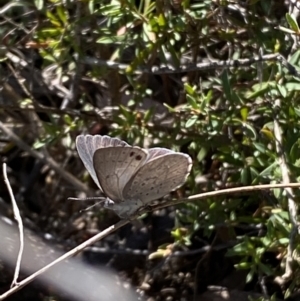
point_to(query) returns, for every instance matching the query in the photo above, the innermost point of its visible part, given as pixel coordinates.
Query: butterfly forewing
(158, 177)
(85, 151)
(115, 166)
(88, 144)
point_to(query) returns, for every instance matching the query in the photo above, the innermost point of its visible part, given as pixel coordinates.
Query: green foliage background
(133, 69)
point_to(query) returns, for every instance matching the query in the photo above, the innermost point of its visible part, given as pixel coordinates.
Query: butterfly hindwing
(157, 152)
(115, 166)
(158, 176)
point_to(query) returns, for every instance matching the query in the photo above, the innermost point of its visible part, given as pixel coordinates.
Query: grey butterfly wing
(87, 145)
(160, 175)
(157, 152)
(115, 166)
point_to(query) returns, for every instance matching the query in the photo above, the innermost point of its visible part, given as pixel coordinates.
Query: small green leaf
(243, 265)
(192, 101)
(62, 14)
(191, 121)
(161, 20)
(259, 89)
(111, 39)
(202, 154)
(269, 170)
(295, 150)
(172, 110)
(260, 147)
(226, 85)
(244, 113)
(148, 115)
(189, 89)
(268, 133)
(206, 100)
(292, 22)
(250, 275)
(39, 4)
(52, 18)
(295, 58)
(282, 90)
(91, 6)
(245, 176)
(293, 86)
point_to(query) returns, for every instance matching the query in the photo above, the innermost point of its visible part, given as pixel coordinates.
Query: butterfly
(131, 177)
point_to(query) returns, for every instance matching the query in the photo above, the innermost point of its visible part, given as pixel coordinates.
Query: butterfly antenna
(93, 198)
(90, 207)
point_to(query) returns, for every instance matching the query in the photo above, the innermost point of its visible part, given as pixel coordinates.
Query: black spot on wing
(137, 157)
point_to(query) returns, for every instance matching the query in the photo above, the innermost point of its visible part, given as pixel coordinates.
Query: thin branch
(18, 218)
(187, 68)
(193, 67)
(209, 194)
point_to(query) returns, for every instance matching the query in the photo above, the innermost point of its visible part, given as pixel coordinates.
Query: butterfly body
(131, 177)
(124, 211)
